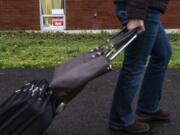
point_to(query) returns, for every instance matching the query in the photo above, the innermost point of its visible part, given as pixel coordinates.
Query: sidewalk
(88, 113)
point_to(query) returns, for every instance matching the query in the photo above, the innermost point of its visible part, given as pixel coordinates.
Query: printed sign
(58, 21)
(57, 11)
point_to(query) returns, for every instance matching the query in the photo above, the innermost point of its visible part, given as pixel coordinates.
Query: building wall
(19, 14)
(171, 19)
(81, 14)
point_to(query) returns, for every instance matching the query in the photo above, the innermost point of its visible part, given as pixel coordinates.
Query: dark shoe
(159, 115)
(136, 127)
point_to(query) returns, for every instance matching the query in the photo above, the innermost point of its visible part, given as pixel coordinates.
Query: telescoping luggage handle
(112, 47)
(120, 42)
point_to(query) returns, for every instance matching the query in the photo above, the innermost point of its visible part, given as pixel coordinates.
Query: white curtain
(48, 5)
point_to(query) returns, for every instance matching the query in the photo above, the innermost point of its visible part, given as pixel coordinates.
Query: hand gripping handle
(120, 41)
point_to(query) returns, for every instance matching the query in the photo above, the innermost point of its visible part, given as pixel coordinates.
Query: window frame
(54, 28)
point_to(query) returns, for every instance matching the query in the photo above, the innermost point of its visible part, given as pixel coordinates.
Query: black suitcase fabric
(29, 111)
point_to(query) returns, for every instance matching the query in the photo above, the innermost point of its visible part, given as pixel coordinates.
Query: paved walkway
(88, 113)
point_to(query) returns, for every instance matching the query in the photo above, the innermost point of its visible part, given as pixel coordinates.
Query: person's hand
(135, 23)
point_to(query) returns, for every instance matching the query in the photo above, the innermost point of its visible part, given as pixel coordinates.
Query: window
(52, 14)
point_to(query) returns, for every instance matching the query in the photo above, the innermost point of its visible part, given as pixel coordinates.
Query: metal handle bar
(121, 41)
(112, 47)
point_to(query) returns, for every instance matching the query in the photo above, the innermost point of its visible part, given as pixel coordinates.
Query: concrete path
(88, 113)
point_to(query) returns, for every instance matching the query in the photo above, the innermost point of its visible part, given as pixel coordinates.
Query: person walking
(151, 48)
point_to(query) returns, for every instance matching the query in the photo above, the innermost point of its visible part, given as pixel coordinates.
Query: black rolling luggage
(31, 109)
(70, 78)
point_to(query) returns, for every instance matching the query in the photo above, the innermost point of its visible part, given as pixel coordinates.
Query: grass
(44, 50)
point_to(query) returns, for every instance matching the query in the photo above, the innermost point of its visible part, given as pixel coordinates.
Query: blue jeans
(151, 48)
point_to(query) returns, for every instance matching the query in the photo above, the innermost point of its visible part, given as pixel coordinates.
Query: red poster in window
(58, 21)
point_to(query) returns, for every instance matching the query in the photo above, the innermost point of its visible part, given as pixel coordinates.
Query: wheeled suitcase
(70, 78)
(32, 108)
(29, 111)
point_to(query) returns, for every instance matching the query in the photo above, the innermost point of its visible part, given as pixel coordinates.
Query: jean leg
(151, 90)
(134, 62)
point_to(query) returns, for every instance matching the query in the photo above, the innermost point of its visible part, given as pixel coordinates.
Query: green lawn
(42, 50)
